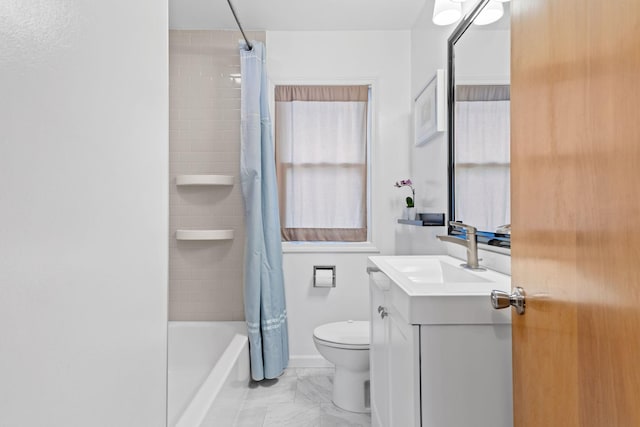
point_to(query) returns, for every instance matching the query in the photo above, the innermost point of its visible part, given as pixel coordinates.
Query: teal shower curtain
(264, 299)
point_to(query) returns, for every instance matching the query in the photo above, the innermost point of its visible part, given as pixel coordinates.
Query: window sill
(329, 247)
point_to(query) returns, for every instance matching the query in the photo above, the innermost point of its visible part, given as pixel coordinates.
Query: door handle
(501, 299)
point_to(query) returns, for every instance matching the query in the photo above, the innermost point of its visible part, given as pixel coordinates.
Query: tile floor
(299, 398)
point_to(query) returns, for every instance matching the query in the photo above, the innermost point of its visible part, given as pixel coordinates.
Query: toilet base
(351, 390)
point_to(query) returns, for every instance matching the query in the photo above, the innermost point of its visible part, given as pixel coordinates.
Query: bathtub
(208, 372)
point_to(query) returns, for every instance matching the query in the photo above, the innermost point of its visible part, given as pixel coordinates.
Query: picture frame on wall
(429, 110)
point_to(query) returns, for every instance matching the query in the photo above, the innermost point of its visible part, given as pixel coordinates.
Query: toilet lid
(351, 332)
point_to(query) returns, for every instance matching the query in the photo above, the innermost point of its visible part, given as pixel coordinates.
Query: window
(321, 135)
(482, 157)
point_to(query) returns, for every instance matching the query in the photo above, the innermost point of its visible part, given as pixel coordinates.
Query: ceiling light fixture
(446, 12)
(490, 13)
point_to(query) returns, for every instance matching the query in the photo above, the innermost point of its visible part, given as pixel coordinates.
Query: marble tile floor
(301, 397)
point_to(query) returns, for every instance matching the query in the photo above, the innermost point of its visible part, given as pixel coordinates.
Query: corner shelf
(204, 234)
(204, 180)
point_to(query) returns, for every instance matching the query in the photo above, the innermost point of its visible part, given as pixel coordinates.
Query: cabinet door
(404, 372)
(466, 375)
(378, 355)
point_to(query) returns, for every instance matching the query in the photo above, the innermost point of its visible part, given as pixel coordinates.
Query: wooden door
(576, 212)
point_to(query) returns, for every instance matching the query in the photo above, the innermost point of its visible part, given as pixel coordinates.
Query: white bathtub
(208, 369)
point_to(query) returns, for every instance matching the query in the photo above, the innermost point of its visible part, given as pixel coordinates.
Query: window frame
(367, 246)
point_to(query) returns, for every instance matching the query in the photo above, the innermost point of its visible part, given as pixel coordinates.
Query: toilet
(346, 345)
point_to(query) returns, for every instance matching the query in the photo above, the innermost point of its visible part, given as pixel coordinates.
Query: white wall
(429, 161)
(83, 217)
(383, 58)
(483, 57)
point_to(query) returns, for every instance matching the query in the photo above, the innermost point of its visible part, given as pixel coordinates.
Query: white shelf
(204, 180)
(204, 234)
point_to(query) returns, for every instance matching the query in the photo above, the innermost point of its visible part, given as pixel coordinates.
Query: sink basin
(430, 270)
(435, 289)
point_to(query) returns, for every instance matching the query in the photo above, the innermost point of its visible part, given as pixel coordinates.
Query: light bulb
(446, 12)
(490, 14)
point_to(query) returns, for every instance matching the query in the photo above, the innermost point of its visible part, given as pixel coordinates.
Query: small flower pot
(409, 213)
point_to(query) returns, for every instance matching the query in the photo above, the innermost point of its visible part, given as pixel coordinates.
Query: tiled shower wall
(205, 277)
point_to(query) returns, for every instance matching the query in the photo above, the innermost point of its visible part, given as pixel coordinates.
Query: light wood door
(576, 212)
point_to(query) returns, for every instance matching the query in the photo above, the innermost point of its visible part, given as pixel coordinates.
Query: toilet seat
(352, 335)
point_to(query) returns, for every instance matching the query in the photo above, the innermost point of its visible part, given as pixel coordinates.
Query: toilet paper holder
(320, 275)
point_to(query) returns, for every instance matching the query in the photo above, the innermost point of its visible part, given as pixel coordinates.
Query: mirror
(479, 98)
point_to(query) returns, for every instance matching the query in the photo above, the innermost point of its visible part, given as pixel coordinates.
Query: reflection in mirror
(479, 97)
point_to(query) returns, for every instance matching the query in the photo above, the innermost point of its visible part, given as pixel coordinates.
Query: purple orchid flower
(407, 183)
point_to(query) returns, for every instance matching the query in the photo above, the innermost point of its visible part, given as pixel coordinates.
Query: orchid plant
(408, 183)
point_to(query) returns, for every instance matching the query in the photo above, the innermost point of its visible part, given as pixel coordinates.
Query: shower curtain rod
(249, 47)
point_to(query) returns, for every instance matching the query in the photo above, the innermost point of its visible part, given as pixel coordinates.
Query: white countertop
(435, 289)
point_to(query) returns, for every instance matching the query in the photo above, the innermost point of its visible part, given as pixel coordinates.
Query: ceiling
(296, 14)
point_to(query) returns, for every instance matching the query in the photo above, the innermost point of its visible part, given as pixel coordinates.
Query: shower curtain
(264, 301)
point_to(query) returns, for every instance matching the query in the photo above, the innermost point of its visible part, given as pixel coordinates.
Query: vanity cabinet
(394, 364)
(378, 351)
(433, 365)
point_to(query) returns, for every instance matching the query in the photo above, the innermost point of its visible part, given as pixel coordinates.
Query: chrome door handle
(501, 299)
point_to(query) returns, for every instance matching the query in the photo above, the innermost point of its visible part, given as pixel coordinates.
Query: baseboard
(309, 362)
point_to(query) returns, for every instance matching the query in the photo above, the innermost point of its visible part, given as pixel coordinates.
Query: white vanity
(440, 354)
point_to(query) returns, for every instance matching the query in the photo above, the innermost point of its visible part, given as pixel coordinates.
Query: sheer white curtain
(321, 149)
(482, 159)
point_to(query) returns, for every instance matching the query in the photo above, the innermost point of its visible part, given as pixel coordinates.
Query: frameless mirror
(479, 98)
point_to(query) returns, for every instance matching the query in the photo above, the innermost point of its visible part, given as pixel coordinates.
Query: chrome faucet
(471, 243)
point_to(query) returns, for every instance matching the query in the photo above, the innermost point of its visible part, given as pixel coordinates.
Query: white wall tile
(205, 278)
